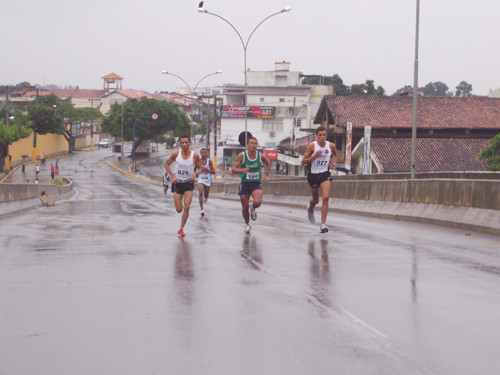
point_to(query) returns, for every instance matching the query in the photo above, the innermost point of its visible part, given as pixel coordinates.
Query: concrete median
(466, 204)
(16, 197)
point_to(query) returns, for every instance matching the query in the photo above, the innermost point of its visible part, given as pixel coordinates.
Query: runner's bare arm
(167, 164)
(308, 155)
(212, 169)
(236, 166)
(333, 160)
(197, 166)
(267, 163)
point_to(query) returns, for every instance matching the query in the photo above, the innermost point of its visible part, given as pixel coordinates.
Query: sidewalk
(16, 176)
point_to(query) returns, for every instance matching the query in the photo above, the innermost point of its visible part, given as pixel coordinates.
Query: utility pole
(92, 124)
(215, 133)
(207, 143)
(7, 159)
(34, 133)
(6, 106)
(415, 99)
(121, 147)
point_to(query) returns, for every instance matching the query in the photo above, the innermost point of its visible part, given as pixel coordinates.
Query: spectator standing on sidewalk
(52, 173)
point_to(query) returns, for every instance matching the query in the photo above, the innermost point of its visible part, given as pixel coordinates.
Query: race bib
(252, 175)
(203, 176)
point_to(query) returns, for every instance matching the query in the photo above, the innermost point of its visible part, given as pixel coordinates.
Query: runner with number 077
(320, 155)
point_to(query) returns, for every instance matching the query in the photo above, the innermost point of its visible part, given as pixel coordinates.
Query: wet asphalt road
(101, 284)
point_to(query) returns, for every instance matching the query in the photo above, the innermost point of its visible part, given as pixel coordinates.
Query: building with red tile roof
(450, 130)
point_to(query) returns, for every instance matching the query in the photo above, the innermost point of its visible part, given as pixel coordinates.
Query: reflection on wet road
(101, 284)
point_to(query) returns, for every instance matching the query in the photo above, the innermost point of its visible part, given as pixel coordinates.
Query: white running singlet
(184, 168)
(205, 177)
(320, 165)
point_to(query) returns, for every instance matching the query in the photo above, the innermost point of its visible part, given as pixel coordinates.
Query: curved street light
(245, 46)
(192, 92)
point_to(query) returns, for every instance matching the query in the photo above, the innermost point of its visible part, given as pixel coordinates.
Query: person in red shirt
(52, 173)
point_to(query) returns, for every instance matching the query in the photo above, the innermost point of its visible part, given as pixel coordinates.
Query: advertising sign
(231, 111)
(271, 154)
(232, 140)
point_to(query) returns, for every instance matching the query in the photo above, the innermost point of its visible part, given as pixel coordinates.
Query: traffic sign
(154, 116)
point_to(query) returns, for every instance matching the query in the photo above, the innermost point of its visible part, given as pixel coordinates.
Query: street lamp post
(192, 92)
(245, 46)
(415, 98)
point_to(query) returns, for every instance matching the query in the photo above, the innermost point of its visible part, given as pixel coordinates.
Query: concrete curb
(467, 218)
(126, 173)
(55, 192)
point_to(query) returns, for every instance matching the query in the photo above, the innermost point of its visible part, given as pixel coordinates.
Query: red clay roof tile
(432, 154)
(471, 112)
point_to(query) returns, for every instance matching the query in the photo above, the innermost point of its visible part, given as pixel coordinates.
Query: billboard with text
(232, 111)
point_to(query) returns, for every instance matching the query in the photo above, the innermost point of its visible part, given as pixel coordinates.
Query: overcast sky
(77, 42)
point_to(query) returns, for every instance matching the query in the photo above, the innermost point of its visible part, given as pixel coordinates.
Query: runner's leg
(188, 198)
(245, 205)
(257, 198)
(315, 198)
(201, 189)
(178, 202)
(325, 193)
(207, 191)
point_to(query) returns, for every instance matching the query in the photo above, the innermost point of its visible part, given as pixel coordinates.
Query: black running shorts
(316, 179)
(182, 187)
(246, 188)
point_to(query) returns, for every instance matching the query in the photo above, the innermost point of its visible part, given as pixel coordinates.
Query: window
(297, 121)
(272, 125)
(282, 100)
(262, 100)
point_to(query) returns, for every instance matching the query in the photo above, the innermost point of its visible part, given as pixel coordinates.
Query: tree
(334, 80)
(49, 114)
(366, 89)
(73, 116)
(16, 130)
(170, 118)
(338, 85)
(380, 91)
(43, 116)
(492, 154)
(463, 89)
(435, 89)
(402, 90)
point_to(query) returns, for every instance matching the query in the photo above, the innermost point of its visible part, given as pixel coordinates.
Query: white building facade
(278, 106)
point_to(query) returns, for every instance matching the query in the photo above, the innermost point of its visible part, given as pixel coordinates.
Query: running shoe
(323, 228)
(181, 233)
(253, 213)
(310, 215)
(202, 213)
(248, 229)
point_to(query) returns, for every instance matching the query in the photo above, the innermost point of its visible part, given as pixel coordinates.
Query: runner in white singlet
(321, 155)
(204, 173)
(183, 177)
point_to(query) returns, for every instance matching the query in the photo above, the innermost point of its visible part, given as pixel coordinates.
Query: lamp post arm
(182, 79)
(230, 24)
(260, 23)
(208, 75)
